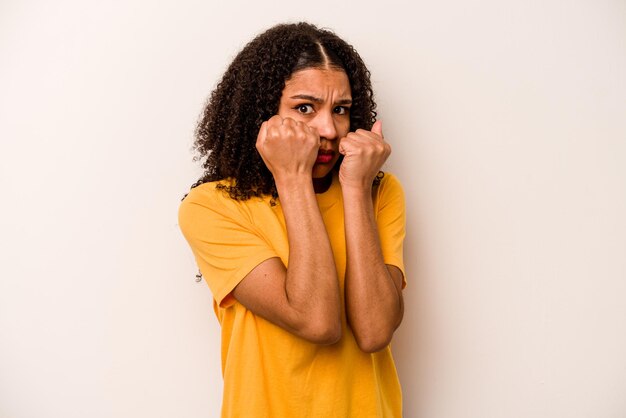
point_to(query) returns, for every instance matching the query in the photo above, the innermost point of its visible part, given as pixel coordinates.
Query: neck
(322, 184)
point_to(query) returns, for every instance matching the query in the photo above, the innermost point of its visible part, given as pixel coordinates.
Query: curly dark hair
(249, 94)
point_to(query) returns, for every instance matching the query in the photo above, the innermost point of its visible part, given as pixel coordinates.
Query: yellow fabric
(267, 371)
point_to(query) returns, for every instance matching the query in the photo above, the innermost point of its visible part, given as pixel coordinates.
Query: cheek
(287, 112)
(343, 128)
(282, 111)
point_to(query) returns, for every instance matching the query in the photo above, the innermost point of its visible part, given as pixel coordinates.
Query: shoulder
(388, 195)
(389, 180)
(389, 187)
(206, 195)
(209, 204)
(205, 202)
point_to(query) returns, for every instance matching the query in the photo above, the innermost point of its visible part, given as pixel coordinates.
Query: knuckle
(274, 120)
(271, 133)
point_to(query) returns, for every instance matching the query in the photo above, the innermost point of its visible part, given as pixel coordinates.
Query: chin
(321, 172)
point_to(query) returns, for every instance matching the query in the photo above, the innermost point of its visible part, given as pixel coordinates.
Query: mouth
(324, 156)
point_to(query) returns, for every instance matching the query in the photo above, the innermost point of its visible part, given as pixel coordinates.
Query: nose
(325, 125)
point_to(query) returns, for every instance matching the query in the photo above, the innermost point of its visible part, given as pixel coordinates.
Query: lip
(324, 156)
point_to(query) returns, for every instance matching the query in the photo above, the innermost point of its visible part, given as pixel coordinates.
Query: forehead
(319, 80)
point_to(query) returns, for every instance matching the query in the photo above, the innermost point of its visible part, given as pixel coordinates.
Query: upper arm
(240, 265)
(262, 291)
(397, 276)
(391, 224)
(224, 243)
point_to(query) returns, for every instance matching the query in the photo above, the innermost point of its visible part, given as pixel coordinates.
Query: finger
(341, 147)
(274, 121)
(347, 144)
(262, 134)
(378, 128)
(288, 122)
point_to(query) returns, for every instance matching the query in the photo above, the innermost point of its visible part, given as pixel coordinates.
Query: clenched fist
(287, 147)
(364, 153)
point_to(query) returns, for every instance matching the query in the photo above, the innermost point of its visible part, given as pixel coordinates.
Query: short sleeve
(391, 221)
(224, 241)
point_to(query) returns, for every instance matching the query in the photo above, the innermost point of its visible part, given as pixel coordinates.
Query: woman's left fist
(364, 153)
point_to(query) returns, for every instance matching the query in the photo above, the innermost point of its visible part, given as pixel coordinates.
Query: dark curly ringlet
(249, 94)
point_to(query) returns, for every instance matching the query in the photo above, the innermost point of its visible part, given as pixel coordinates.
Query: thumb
(378, 128)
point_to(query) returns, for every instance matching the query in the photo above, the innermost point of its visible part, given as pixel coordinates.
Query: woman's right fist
(287, 147)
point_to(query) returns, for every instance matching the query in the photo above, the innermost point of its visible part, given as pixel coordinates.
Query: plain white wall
(508, 124)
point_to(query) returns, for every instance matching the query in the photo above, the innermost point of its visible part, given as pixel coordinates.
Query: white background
(508, 124)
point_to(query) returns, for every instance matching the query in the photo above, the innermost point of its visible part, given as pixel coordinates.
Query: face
(320, 98)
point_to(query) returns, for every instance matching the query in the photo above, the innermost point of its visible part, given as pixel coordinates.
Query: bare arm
(373, 290)
(303, 298)
(374, 304)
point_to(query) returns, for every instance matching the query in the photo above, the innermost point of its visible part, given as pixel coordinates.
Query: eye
(305, 109)
(341, 110)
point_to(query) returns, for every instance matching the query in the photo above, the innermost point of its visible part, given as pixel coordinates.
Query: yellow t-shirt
(269, 372)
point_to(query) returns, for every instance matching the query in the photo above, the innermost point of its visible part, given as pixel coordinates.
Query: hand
(287, 147)
(364, 153)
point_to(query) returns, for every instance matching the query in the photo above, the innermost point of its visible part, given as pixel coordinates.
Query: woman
(297, 232)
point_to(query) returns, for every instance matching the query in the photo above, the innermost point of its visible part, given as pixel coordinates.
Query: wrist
(293, 183)
(353, 192)
(356, 183)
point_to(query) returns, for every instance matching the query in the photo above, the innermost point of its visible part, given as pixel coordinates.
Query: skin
(313, 119)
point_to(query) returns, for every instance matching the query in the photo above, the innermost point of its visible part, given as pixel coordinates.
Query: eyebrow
(318, 100)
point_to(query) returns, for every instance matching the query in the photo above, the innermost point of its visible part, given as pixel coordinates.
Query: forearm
(311, 285)
(374, 304)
